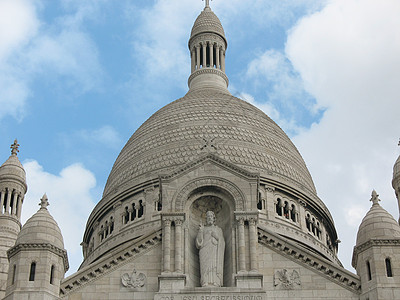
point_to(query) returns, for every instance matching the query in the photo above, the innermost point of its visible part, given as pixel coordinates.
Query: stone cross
(207, 3)
(14, 147)
(44, 202)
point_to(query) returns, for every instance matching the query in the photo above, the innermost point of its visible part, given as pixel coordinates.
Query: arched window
(111, 225)
(279, 207)
(308, 222)
(14, 274)
(32, 272)
(388, 267)
(133, 214)
(126, 215)
(259, 203)
(141, 209)
(52, 274)
(286, 210)
(369, 271)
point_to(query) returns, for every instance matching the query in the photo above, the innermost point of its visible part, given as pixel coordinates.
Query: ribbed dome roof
(41, 228)
(208, 120)
(13, 167)
(207, 21)
(377, 224)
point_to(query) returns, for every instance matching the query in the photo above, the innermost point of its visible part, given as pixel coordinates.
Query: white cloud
(31, 49)
(70, 201)
(18, 23)
(285, 90)
(347, 56)
(105, 135)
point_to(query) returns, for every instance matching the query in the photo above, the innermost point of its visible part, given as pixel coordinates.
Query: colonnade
(167, 222)
(251, 221)
(10, 202)
(208, 55)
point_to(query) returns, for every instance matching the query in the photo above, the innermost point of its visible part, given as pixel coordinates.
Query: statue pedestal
(216, 293)
(249, 280)
(171, 282)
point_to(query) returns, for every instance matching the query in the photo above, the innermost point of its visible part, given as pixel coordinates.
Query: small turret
(38, 261)
(396, 181)
(376, 256)
(207, 45)
(12, 191)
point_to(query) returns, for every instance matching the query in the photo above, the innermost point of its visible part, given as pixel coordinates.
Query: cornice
(309, 260)
(209, 157)
(37, 247)
(371, 243)
(108, 264)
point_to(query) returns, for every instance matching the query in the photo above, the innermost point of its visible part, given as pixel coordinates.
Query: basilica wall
(287, 279)
(135, 278)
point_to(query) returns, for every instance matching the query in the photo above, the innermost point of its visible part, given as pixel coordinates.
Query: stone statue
(211, 245)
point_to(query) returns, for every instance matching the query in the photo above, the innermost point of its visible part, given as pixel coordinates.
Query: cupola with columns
(207, 45)
(12, 191)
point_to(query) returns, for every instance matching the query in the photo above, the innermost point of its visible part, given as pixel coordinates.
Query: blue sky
(77, 78)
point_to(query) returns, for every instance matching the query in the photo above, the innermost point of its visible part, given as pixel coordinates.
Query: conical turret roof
(41, 228)
(377, 224)
(207, 21)
(12, 167)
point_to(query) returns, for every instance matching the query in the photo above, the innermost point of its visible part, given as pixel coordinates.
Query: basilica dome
(209, 120)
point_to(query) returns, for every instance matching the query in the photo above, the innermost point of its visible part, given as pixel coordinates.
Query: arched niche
(222, 203)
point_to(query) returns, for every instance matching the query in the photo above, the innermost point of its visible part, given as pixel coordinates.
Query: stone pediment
(109, 263)
(211, 159)
(310, 260)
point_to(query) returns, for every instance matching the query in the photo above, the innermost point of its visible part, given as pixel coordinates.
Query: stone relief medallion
(133, 281)
(286, 279)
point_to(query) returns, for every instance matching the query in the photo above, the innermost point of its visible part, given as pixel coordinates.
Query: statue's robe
(211, 245)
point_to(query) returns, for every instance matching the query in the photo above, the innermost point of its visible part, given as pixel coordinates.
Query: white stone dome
(41, 228)
(377, 224)
(13, 169)
(207, 22)
(238, 131)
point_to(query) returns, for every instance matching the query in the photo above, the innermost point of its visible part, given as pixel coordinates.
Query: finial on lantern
(44, 202)
(14, 147)
(207, 3)
(374, 198)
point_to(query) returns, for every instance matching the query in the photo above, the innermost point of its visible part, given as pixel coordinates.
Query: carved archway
(179, 201)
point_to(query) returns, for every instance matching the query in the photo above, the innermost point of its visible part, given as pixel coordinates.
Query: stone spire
(396, 180)
(207, 45)
(12, 191)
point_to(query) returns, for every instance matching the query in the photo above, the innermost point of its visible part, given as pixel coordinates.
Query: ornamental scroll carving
(287, 280)
(133, 281)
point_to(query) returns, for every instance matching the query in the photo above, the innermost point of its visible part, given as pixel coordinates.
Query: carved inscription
(216, 296)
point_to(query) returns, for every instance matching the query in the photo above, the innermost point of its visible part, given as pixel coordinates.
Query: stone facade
(208, 151)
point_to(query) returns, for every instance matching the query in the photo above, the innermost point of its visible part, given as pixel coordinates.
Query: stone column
(217, 57)
(193, 57)
(96, 234)
(222, 60)
(20, 199)
(205, 55)
(8, 201)
(14, 203)
(241, 243)
(167, 245)
(198, 56)
(211, 48)
(2, 194)
(178, 246)
(253, 244)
